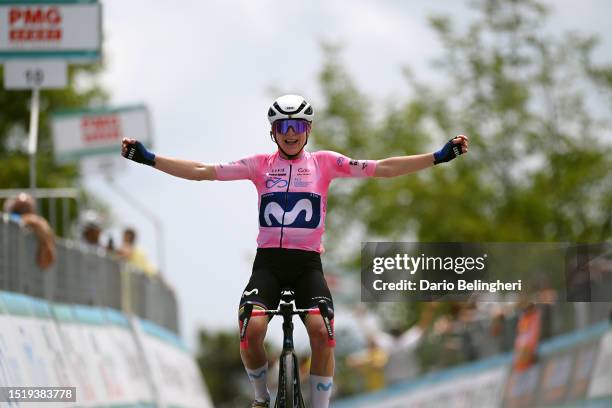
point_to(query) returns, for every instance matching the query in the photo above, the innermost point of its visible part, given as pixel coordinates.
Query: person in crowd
(527, 336)
(22, 209)
(400, 345)
(371, 363)
(133, 254)
(91, 228)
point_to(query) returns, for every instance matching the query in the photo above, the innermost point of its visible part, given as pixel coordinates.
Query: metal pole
(159, 231)
(33, 138)
(52, 214)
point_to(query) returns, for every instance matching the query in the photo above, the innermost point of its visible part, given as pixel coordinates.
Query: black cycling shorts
(278, 268)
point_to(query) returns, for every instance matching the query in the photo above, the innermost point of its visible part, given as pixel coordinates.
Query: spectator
(400, 346)
(546, 296)
(457, 333)
(134, 255)
(527, 337)
(22, 209)
(371, 363)
(91, 227)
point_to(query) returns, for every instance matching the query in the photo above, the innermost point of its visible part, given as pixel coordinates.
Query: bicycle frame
(288, 358)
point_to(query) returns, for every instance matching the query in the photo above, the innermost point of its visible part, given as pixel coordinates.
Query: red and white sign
(68, 29)
(98, 132)
(100, 128)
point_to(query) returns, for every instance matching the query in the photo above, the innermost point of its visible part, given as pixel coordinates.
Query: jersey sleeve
(336, 165)
(237, 170)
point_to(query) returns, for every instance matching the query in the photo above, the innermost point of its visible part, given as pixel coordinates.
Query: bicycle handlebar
(322, 310)
(301, 312)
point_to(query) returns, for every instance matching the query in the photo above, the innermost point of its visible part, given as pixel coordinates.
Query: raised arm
(398, 166)
(187, 169)
(191, 170)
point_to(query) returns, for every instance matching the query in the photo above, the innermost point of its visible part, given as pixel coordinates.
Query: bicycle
(289, 391)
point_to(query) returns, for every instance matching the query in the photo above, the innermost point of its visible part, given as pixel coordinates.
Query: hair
(129, 235)
(22, 203)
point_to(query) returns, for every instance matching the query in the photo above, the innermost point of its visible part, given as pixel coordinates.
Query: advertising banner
(66, 30)
(94, 132)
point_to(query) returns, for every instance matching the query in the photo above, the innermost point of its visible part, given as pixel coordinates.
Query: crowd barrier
(573, 370)
(113, 360)
(82, 275)
(485, 337)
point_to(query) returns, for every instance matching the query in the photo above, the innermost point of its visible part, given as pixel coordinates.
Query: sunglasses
(298, 125)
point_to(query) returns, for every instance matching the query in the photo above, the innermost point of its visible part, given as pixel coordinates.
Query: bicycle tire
(289, 383)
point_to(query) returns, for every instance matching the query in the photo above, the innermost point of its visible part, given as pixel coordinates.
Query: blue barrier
(491, 367)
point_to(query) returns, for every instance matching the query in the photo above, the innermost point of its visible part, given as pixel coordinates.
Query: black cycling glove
(448, 152)
(138, 153)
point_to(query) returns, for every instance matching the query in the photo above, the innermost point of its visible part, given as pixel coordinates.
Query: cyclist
(292, 185)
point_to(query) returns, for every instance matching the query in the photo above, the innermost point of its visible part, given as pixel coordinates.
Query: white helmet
(290, 107)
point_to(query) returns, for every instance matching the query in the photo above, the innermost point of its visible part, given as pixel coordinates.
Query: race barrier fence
(83, 275)
(113, 360)
(573, 370)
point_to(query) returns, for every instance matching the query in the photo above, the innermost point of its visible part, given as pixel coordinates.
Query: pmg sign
(68, 29)
(94, 132)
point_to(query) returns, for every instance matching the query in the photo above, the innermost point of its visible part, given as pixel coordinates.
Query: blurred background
(530, 82)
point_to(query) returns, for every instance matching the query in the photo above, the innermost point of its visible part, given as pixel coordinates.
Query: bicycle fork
(288, 369)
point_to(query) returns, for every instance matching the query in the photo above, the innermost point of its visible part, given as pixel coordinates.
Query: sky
(205, 69)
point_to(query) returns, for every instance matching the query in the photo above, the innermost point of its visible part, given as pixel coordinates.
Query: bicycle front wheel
(289, 383)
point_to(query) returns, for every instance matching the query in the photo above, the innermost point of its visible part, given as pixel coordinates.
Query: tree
(538, 160)
(83, 91)
(535, 107)
(221, 367)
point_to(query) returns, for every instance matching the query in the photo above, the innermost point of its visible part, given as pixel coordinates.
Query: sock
(320, 391)
(259, 380)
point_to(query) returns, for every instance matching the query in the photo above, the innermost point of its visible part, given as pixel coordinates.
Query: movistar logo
(276, 211)
(295, 210)
(324, 387)
(259, 375)
(250, 292)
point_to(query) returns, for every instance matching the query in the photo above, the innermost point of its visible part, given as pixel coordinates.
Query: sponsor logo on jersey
(250, 292)
(340, 161)
(354, 162)
(301, 183)
(280, 172)
(276, 182)
(293, 209)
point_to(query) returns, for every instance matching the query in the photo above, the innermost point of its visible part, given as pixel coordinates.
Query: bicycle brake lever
(245, 316)
(328, 319)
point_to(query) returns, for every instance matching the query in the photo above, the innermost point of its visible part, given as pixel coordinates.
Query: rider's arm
(398, 166)
(191, 170)
(187, 169)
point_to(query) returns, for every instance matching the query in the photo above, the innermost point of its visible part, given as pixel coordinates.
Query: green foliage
(14, 126)
(219, 360)
(539, 152)
(221, 366)
(535, 108)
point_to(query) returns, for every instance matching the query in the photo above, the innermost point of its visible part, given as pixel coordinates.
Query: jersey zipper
(285, 207)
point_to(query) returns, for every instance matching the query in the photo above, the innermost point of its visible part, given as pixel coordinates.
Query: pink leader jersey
(293, 193)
